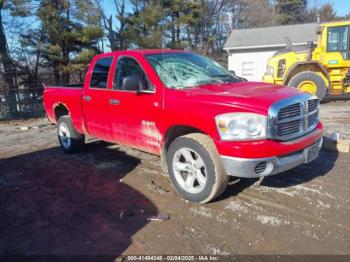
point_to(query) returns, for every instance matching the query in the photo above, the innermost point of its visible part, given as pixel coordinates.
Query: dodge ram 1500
(202, 120)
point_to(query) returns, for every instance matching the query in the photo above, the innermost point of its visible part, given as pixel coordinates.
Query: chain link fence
(22, 103)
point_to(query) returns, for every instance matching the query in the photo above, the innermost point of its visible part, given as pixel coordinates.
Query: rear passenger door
(95, 99)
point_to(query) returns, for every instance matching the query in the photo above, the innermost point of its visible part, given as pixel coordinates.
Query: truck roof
(145, 51)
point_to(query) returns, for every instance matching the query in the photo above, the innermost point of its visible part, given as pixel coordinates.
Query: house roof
(271, 36)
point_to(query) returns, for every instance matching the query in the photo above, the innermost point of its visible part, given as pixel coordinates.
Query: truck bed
(78, 85)
(68, 96)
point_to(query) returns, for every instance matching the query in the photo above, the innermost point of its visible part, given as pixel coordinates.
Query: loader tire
(309, 82)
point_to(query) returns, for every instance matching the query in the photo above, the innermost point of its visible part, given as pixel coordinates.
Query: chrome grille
(312, 104)
(293, 117)
(312, 119)
(289, 111)
(289, 128)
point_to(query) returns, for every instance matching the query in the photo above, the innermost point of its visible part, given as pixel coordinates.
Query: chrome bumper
(258, 167)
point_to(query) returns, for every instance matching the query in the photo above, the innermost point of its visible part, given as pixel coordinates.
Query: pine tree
(72, 31)
(147, 24)
(292, 11)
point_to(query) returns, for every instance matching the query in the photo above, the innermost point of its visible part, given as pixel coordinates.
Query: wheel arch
(311, 66)
(60, 109)
(171, 134)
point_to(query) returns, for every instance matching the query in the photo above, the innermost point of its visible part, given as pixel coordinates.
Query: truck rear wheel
(309, 82)
(195, 168)
(70, 140)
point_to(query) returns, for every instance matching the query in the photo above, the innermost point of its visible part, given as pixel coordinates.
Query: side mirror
(319, 30)
(132, 83)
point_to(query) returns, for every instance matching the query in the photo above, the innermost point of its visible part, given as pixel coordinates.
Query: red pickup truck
(204, 122)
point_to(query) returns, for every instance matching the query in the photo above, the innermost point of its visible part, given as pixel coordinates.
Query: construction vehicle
(322, 69)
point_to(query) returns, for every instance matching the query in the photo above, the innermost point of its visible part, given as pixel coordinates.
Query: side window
(337, 40)
(99, 77)
(129, 67)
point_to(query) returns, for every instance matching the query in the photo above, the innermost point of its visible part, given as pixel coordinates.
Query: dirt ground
(99, 201)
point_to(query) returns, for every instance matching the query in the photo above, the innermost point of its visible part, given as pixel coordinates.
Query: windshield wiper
(221, 76)
(225, 78)
(210, 81)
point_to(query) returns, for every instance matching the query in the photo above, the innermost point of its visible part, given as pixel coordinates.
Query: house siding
(250, 64)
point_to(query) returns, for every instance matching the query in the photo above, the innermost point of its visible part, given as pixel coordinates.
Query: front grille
(312, 105)
(289, 111)
(312, 119)
(293, 117)
(288, 128)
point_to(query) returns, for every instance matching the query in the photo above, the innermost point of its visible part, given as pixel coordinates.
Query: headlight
(241, 126)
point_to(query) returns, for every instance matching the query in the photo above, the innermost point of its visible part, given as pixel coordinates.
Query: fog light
(264, 168)
(261, 167)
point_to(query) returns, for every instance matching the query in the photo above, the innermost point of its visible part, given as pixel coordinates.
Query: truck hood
(255, 95)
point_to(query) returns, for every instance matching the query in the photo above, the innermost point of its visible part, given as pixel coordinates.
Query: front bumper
(259, 167)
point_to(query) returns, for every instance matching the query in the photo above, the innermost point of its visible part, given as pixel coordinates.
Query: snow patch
(269, 220)
(321, 204)
(236, 205)
(207, 212)
(213, 250)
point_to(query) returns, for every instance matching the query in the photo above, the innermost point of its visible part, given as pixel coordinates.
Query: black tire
(313, 77)
(216, 177)
(72, 141)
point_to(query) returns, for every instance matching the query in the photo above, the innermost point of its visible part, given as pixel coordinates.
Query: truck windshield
(184, 70)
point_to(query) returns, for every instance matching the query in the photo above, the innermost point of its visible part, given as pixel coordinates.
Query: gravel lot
(99, 201)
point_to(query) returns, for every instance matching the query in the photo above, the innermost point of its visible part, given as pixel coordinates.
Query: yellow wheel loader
(322, 69)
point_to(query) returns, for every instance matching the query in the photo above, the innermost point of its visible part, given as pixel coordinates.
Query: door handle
(114, 101)
(87, 98)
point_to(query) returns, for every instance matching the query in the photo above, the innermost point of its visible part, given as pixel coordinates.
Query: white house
(249, 49)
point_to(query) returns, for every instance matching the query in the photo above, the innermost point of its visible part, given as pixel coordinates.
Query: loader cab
(334, 45)
(338, 38)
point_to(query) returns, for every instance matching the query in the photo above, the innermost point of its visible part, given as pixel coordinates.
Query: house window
(248, 69)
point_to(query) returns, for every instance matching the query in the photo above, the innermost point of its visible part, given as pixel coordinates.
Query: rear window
(99, 77)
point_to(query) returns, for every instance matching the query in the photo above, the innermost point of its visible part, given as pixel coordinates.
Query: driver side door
(134, 115)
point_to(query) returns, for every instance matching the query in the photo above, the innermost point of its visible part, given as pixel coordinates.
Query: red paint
(166, 108)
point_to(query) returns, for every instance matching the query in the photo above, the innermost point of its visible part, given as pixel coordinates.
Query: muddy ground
(99, 201)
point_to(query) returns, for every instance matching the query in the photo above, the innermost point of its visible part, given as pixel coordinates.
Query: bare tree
(6, 61)
(115, 31)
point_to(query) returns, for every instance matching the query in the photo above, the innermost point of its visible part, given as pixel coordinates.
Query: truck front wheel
(309, 82)
(195, 168)
(70, 140)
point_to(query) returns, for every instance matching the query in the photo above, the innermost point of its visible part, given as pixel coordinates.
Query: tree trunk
(9, 71)
(37, 60)
(111, 35)
(56, 73)
(173, 33)
(5, 57)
